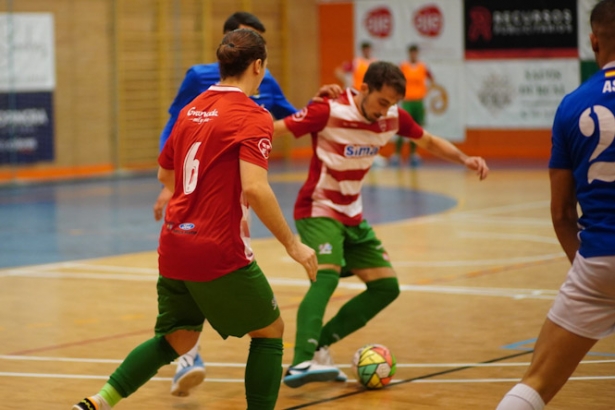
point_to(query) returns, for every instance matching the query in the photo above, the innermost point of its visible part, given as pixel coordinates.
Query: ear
(364, 88)
(593, 39)
(258, 66)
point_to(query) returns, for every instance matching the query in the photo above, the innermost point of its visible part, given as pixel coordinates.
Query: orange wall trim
(52, 173)
(494, 144)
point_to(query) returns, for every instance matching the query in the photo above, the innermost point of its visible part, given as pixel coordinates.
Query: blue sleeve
(281, 107)
(197, 80)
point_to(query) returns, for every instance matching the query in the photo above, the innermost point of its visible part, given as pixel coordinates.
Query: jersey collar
(225, 88)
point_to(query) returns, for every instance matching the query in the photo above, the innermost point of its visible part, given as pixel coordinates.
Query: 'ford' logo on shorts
(186, 226)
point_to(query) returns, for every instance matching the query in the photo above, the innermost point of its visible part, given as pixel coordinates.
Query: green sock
(359, 310)
(263, 373)
(310, 314)
(110, 395)
(141, 365)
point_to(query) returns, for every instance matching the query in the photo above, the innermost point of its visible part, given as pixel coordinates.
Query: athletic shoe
(395, 160)
(190, 373)
(322, 356)
(95, 402)
(309, 371)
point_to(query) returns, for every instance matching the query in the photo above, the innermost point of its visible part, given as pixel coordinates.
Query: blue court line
(521, 345)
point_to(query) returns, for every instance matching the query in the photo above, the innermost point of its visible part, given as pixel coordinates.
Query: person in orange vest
(418, 80)
(356, 68)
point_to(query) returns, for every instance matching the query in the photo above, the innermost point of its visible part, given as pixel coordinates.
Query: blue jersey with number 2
(584, 142)
(200, 77)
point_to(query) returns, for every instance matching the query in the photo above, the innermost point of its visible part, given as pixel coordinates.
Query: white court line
(455, 290)
(212, 380)
(241, 365)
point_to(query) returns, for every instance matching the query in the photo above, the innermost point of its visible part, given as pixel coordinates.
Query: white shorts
(585, 304)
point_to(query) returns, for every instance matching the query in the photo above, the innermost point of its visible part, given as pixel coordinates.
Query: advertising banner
(27, 81)
(445, 116)
(584, 10)
(520, 29)
(436, 26)
(517, 93)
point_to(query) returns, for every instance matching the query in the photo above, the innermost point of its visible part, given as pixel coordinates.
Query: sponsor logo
(496, 93)
(429, 21)
(325, 249)
(480, 25)
(609, 86)
(264, 145)
(186, 226)
(30, 117)
(300, 115)
(274, 303)
(201, 116)
(379, 22)
(359, 151)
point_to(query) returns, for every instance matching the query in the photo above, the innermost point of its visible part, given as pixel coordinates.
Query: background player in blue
(582, 169)
(190, 368)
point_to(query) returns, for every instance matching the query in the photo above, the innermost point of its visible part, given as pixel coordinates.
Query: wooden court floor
(477, 282)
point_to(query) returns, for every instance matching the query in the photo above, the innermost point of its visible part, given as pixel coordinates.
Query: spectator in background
(418, 80)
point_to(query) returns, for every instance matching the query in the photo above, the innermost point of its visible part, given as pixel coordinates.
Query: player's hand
(330, 91)
(163, 199)
(479, 165)
(305, 255)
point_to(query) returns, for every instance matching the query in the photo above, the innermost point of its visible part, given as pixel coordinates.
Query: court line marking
(547, 294)
(242, 365)
(231, 380)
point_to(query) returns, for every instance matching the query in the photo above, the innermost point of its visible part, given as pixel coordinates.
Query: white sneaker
(309, 371)
(322, 356)
(190, 373)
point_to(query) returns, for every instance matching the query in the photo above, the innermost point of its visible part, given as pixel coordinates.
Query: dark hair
(238, 50)
(242, 18)
(413, 47)
(384, 73)
(366, 44)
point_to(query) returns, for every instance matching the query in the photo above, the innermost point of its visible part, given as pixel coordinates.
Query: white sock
(188, 358)
(521, 397)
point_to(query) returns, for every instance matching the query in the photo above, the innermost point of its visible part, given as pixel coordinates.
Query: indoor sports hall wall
(85, 84)
(501, 68)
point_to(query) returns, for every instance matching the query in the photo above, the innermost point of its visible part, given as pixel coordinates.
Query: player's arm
(312, 118)
(446, 150)
(262, 200)
(564, 215)
(167, 178)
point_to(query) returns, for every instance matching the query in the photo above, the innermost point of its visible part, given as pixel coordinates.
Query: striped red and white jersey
(344, 146)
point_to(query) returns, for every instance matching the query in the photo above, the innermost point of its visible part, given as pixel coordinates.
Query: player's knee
(183, 340)
(387, 288)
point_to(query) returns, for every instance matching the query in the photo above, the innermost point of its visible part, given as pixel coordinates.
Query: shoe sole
(298, 380)
(188, 381)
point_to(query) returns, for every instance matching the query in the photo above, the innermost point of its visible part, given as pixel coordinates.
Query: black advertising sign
(520, 29)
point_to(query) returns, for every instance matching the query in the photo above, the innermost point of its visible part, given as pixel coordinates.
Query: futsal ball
(374, 366)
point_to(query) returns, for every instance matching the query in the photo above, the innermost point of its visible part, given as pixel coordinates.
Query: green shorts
(351, 247)
(416, 109)
(234, 304)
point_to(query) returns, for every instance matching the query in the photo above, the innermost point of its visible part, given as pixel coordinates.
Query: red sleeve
(256, 145)
(407, 126)
(312, 118)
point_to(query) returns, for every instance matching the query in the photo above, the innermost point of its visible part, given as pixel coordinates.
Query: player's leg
(583, 312)
(242, 302)
(368, 260)
(177, 328)
(325, 236)
(189, 373)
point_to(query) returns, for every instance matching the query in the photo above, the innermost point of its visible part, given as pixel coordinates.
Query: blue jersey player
(582, 171)
(200, 77)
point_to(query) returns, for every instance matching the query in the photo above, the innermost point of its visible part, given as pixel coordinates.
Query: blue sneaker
(190, 373)
(309, 371)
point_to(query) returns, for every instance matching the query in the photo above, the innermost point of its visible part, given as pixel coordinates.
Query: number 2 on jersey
(599, 170)
(191, 169)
